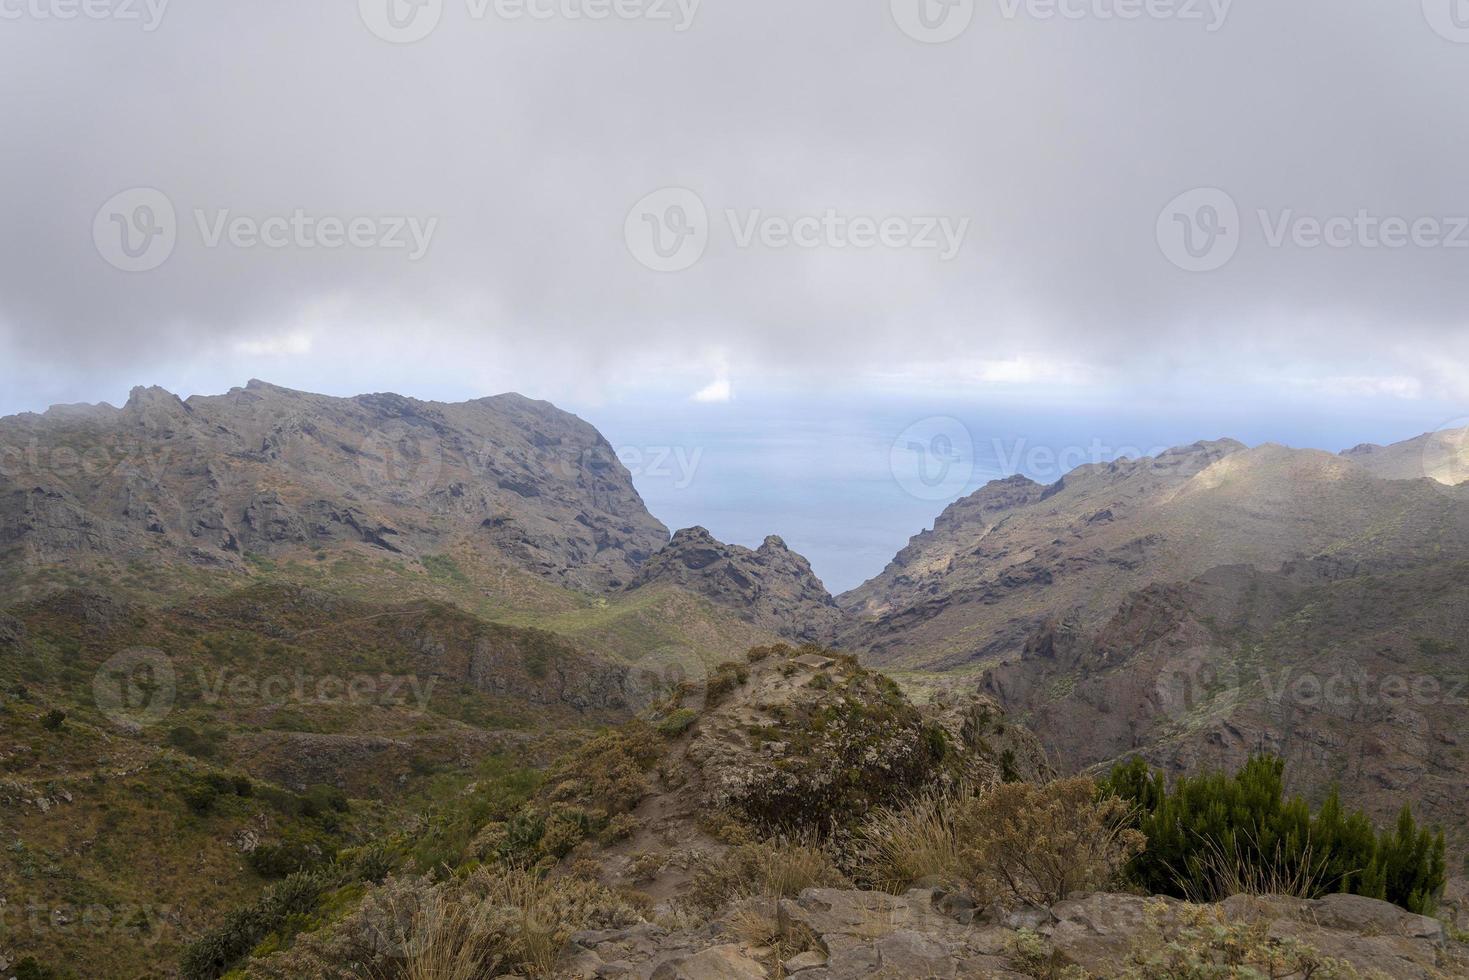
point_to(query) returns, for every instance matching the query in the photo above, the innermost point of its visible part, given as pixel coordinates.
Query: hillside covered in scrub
(798, 816)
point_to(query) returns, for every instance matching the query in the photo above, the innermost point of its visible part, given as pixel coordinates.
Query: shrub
(1038, 844)
(504, 922)
(1213, 835)
(609, 772)
(200, 797)
(1200, 941)
(285, 858)
(846, 755)
(620, 827)
(30, 969)
(214, 953)
(780, 868)
(726, 677)
(677, 723)
(186, 739)
(898, 845)
(53, 720)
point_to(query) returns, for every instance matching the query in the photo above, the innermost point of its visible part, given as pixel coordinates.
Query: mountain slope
(1441, 456)
(1004, 561)
(266, 471)
(1357, 674)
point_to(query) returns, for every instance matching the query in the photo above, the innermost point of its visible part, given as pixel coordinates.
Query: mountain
(1001, 563)
(1355, 673)
(209, 483)
(772, 586)
(1441, 456)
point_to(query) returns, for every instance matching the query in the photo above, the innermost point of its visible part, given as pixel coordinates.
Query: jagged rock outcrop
(800, 739)
(771, 586)
(268, 471)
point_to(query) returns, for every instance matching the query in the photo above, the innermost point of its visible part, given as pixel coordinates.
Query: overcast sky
(1048, 210)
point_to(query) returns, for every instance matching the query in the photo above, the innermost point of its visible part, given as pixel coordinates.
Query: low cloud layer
(466, 196)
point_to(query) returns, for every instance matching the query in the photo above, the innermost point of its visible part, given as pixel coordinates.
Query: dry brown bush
(1039, 843)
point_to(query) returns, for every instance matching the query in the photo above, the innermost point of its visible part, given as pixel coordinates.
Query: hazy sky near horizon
(720, 218)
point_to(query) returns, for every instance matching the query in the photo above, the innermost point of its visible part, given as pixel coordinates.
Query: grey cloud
(529, 141)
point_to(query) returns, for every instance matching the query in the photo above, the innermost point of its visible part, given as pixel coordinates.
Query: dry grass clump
(490, 923)
(1015, 841)
(750, 880)
(1243, 867)
(775, 869)
(901, 844)
(511, 918)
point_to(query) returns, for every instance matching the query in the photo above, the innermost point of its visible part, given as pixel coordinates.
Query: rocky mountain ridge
(999, 564)
(268, 471)
(771, 586)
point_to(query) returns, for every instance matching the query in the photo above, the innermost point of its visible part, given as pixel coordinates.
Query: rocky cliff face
(771, 586)
(268, 471)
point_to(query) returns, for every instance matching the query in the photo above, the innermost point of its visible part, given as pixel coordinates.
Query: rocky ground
(929, 932)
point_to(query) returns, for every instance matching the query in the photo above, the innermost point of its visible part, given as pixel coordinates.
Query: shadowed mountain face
(1002, 563)
(268, 471)
(1357, 674)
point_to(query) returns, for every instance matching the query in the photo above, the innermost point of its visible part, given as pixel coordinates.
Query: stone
(906, 953)
(727, 962)
(1368, 915)
(805, 961)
